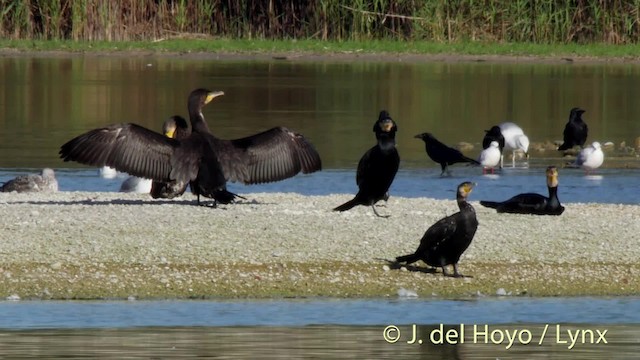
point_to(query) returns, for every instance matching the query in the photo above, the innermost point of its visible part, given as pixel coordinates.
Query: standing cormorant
(531, 203)
(576, 130)
(377, 167)
(45, 182)
(441, 153)
(201, 159)
(175, 127)
(445, 241)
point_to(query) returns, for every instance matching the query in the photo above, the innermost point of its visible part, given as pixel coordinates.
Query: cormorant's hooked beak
(212, 95)
(419, 136)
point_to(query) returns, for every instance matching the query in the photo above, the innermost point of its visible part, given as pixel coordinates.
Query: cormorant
(377, 167)
(490, 157)
(441, 153)
(493, 134)
(576, 130)
(46, 182)
(531, 203)
(590, 158)
(175, 127)
(201, 159)
(514, 140)
(445, 241)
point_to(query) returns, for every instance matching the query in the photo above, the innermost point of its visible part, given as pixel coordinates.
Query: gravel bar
(80, 245)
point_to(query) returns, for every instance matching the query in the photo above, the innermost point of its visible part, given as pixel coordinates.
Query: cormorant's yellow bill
(212, 95)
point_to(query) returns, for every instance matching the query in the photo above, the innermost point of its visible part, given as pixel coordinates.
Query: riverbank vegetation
(433, 21)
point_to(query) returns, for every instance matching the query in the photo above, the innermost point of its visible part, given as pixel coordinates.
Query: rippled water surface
(324, 328)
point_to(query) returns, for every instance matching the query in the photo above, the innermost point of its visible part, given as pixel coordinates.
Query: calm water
(322, 328)
(46, 101)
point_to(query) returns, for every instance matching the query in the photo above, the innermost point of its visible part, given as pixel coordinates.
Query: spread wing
(126, 147)
(272, 155)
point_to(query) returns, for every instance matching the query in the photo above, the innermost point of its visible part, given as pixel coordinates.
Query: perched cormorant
(576, 130)
(200, 158)
(590, 158)
(514, 140)
(445, 241)
(441, 153)
(377, 167)
(490, 157)
(531, 203)
(493, 134)
(46, 182)
(175, 127)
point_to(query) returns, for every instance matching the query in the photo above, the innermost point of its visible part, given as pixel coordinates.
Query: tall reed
(539, 21)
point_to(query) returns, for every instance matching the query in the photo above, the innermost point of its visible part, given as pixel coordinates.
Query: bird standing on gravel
(576, 130)
(377, 167)
(45, 182)
(446, 240)
(531, 203)
(441, 153)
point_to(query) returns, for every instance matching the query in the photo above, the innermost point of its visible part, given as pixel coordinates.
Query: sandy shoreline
(340, 56)
(112, 245)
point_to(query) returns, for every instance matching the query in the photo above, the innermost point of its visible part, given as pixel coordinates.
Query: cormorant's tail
(490, 204)
(411, 258)
(225, 197)
(348, 205)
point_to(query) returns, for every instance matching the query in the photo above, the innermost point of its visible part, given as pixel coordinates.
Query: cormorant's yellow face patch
(552, 176)
(466, 188)
(170, 132)
(212, 95)
(386, 125)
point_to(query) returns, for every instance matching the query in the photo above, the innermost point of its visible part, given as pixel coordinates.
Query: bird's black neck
(386, 141)
(463, 204)
(553, 197)
(197, 120)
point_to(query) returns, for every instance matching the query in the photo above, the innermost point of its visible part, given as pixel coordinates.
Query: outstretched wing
(272, 155)
(126, 147)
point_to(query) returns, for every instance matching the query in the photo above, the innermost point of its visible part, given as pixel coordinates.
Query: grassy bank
(389, 47)
(540, 21)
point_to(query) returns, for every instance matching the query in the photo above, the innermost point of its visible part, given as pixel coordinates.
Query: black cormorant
(377, 167)
(531, 203)
(200, 158)
(445, 241)
(175, 127)
(441, 153)
(576, 130)
(45, 182)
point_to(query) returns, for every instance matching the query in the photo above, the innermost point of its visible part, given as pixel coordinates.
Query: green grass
(328, 47)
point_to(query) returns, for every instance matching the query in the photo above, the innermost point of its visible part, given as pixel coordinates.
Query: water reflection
(315, 342)
(46, 101)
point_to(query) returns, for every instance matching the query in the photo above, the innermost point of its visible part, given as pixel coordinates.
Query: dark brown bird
(445, 241)
(532, 203)
(377, 167)
(200, 159)
(175, 127)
